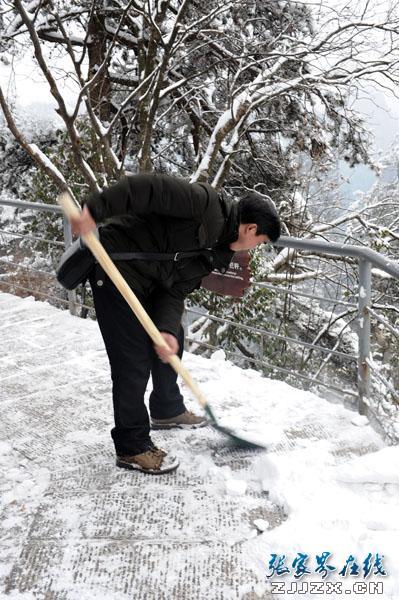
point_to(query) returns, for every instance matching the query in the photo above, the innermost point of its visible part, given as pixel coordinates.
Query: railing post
(364, 331)
(72, 300)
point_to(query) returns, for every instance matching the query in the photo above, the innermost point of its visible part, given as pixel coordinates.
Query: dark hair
(256, 209)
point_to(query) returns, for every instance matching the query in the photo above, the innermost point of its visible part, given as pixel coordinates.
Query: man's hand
(83, 224)
(173, 347)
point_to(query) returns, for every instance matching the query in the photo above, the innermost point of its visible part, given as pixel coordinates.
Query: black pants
(132, 358)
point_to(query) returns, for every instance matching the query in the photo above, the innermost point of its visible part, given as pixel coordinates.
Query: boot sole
(178, 425)
(136, 467)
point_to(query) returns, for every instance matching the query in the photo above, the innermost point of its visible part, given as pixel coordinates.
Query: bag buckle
(176, 257)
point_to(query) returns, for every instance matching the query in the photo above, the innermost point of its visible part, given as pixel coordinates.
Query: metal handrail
(376, 259)
(282, 290)
(268, 333)
(34, 205)
(32, 237)
(366, 257)
(53, 208)
(383, 263)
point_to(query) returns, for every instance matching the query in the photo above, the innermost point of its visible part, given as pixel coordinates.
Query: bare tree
(202, 90)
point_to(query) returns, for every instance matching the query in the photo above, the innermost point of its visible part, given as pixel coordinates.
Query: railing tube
(364, 334)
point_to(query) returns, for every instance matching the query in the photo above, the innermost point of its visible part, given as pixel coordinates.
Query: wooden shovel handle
(72, 210)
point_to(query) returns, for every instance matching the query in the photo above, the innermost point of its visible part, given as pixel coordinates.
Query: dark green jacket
(159, 213)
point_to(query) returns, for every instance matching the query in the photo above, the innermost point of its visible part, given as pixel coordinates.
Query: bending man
(179, 232)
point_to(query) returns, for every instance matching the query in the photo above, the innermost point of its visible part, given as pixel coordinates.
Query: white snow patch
(379, 467)
(332, 499)
(360, 421)
(261, 524)
(236, 487)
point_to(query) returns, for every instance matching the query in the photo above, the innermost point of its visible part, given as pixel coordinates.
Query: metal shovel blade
(237, 439)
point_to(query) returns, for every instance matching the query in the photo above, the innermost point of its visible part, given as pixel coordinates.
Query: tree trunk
(97, 48)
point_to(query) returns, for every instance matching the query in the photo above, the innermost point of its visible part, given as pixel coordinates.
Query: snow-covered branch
(34, 152)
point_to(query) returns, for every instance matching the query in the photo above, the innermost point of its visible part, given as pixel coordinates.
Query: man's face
(247, 238)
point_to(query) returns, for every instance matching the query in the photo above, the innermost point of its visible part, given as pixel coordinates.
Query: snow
(360, 421)
(331, 476)
(35, 112)
(261, 524)
(380, 273)
(237, 487)
(379, 467)
(47, 162)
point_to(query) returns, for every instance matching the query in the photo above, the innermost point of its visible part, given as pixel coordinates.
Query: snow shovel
(72, 210)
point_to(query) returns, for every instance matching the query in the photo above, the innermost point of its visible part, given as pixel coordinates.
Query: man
(179, 232)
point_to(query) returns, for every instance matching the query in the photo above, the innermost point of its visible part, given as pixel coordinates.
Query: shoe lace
(157, 452)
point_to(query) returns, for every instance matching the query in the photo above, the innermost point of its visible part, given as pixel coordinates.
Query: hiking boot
(186, 420)
(154, 461)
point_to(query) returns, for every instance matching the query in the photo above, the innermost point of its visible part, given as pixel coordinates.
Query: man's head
(259, 223)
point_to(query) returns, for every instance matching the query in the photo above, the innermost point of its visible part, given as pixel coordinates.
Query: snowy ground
(75, 527)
